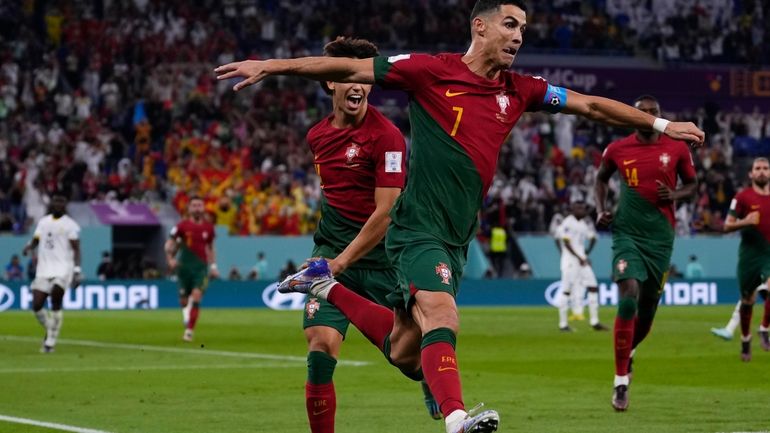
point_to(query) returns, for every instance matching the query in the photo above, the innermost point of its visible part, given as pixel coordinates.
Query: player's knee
(627, 307)
(408, 361)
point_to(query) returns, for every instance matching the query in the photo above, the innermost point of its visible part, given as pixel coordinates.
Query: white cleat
(188, 335)
(722, 333)
(483, 422)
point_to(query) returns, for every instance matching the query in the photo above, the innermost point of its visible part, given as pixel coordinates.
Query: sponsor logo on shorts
(443, 271)
(312, 307)
(622, 265)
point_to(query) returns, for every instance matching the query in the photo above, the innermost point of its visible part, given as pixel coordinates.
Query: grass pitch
(246, 373)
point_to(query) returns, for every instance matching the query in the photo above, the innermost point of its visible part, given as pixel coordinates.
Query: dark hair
(195, 197)
(646, 98)
(484, 6)
(353, 48)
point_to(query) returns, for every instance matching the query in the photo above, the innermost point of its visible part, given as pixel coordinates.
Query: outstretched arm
(614, 113)
(337, 69)
(732, 223)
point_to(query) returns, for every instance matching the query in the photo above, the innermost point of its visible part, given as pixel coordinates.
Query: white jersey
(55, 257)
(577, 232)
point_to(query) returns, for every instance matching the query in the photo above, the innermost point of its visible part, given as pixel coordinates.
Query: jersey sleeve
(541, 96)
(38, 230)
(73, 233)
(408, 72)
(685, 167)
(737, 207)
(390, 160)
(590, 230)
(608, 156)
(176, 232)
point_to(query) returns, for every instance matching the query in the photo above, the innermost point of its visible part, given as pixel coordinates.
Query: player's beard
(760, 182)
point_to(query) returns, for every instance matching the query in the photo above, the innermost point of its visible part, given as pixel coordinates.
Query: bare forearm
(337, 69)
(600, 190)
(616, 113)
(170, 249)
(734, 225)
(370, 235)
(686, 192)
(211, 255)
(591, 246)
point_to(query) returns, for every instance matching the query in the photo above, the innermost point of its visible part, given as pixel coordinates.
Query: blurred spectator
(105, 271)
(673, 272)
(14, 271)
(150, 270)
(694, 269)
(288, 269)
(259, 271)
(235, 274)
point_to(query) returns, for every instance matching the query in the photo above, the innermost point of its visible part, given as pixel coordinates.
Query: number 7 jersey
(641, 213)
(459, 122)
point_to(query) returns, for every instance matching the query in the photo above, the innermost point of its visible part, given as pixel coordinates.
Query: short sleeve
(74, 232)
(535, 92)
(390, 160)
(407, 72)
(175, 232)
(38, 230)
(686, 167)
(590, 230)
(608, 156)
(737, 207)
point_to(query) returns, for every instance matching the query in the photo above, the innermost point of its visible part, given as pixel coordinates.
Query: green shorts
(751, 273)
(423, 263)
(373, 284)
(192, 277)
(641, 260)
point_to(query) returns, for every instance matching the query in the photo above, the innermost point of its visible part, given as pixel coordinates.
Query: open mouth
(511, 51)
(354, 101)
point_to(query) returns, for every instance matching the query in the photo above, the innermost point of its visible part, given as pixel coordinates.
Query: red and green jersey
(193, 238)
(641, 213)
(755, 241)
(351, 163)
(459, 122)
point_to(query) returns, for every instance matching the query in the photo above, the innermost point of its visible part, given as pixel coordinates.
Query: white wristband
(213, 266)
(77, 270)
(660, 124)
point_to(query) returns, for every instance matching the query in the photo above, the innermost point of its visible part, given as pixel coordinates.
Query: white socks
(735, 319)
(322, 288)
(57, 317)
(593, 307)
(621, 380)
(42, 317)
(561, 303)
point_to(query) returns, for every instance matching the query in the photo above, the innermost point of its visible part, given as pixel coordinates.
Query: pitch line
(140, 368)
(140, 347)
(51, 425)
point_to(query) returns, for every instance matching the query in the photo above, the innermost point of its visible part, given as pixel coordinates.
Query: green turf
(514, 360)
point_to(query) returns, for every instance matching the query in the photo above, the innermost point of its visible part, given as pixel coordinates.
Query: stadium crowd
(117, 101)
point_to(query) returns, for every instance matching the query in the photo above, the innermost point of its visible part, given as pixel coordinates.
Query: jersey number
(459, 111)
(632, 177)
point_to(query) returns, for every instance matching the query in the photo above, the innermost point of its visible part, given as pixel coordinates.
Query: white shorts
(577, 277)
(46, 284)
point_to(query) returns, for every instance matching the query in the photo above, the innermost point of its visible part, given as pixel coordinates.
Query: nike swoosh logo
(630, 161)
(755, 206)
(440, 369)
(320, 412)
(450, 94)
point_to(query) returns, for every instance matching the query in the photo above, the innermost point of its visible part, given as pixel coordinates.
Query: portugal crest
(503, 102)
(622, 265)
(312, 307)
(443, 271)
(352, 152)
(665, 158)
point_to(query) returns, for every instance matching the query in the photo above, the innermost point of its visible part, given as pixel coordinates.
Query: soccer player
(746, 211)
(193, 239)
(642, 231)
(462, 107)
(57, 238)
(576, 271)
(359, 156)
(727, 332)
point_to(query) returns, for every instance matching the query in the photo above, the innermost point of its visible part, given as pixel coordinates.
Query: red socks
(439, 365)
(624, 338)
(321, 403)
(373, 320)
(194, 311)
